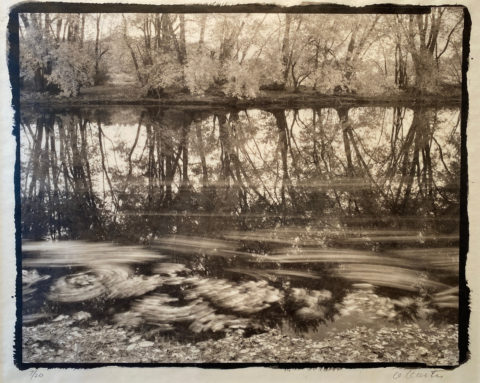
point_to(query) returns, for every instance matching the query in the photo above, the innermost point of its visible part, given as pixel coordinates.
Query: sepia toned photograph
(241, 185)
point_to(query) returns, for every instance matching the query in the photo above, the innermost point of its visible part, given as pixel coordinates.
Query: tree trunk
(97, 49)
(401, 79)
(82, 31)
(203, 21)
(182, 44)
(24, 18)
(59, 30)
(39, 80)
(286, 47)
(349, 58)
(426, 74)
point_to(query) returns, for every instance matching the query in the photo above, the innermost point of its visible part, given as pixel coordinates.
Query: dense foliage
(55, 57)
(240, 54)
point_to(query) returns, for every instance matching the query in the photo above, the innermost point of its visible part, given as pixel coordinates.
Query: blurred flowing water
(203, 221)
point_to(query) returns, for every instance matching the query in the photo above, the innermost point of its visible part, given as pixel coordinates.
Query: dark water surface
(199, 221)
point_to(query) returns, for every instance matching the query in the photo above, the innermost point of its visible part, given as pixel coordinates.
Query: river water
(197, 222)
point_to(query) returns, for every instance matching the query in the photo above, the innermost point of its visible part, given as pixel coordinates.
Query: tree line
(241, 54)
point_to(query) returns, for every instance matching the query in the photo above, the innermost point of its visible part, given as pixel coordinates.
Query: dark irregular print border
(59, 7)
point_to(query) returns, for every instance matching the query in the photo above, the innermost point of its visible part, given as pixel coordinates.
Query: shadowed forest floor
(67, 340)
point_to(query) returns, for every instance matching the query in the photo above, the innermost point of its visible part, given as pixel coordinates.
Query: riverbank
(65, 340)
(128, 94)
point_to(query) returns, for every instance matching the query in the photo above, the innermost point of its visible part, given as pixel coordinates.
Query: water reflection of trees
(57, 192)
(89, 174)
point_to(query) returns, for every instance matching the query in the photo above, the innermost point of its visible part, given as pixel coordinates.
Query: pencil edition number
(35, 374)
